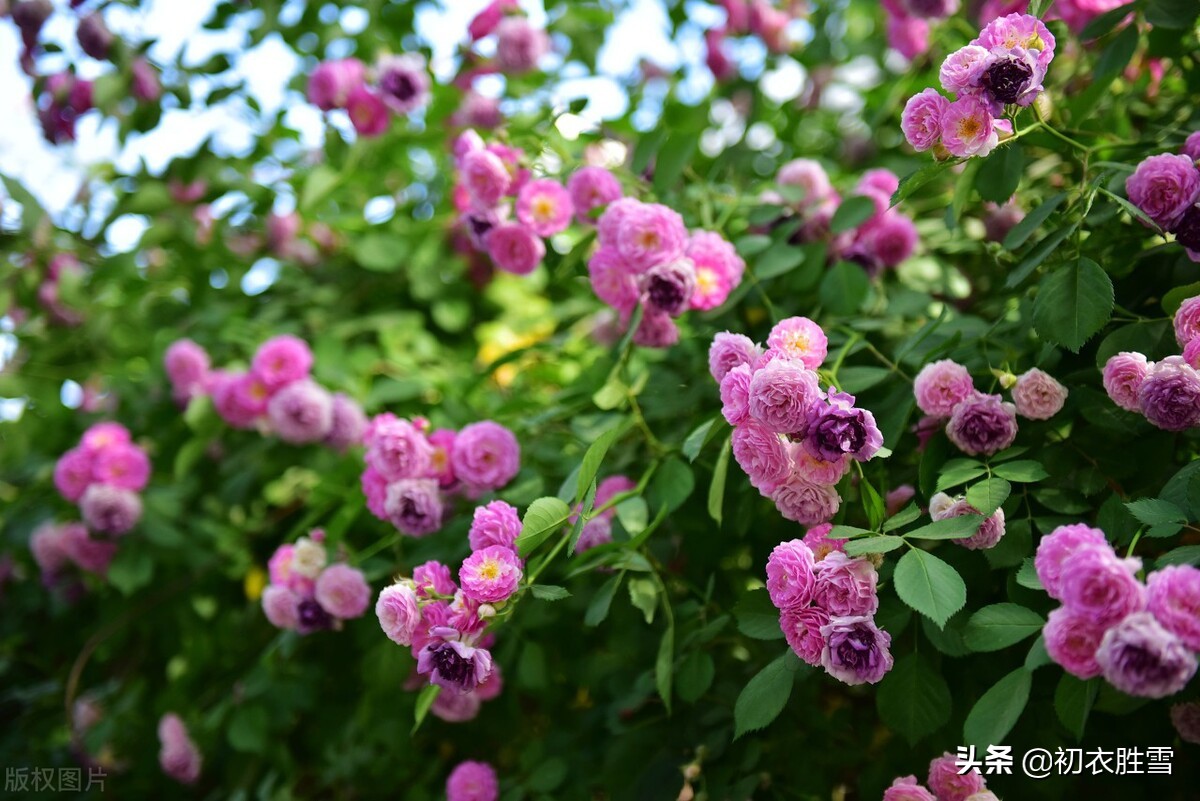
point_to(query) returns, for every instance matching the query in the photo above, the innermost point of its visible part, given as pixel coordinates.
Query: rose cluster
(884, 240)
(1167, 393)
(827, 607)
(519, 45)
(758, 18)
(1004, 66)
(978, 423)
(307, 594)
(1167, 188)
(178, 756)
(395, 85)
(646, 256)
(472, 781)
(945, 783)
(104, 475)
(276, 395)
(792, 439)
(908, 23)
(446, 623)
(1142, 638)
(411, 469)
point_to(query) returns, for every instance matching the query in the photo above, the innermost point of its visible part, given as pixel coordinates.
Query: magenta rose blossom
(781, 395)
(343, 591)
(73, 473)
(816, 469)
(1124, 374)
(498, 523)
(1059, 545)
(790, 577)
(921, 120)
(948, 784)
(806, 502)
(414, 506)
(433, 577)
(1071, 640)
(490, 575)
(808, 175)
(802, 629)
(612, 279)
(728, 350)
(1165, 187)
(961, 70)
(845, 586)
(991, 531)
(735, 395)
(907, 789)
(650, 234)
(403, 82)
(801, 339)
(1169, 397)
(178, 755)
(817, 539)
(486, 455)
(485, 177)
(718, 266)
(592, 188)
(1187, 321)
(940, 386)
(187, 367)
(1038, 396)
(968, 128)
(281, 605)
(1141, 658)
(519, 45)
(472, 781)
(110, 510)
(762, 455)
(331, 82)
(348, 425)
(1101, 587)
(856, 651)
(301, 412)
(396, 449)
(982, 424)
(1173, 597)
(281, 360)
(515, 248)
(398, 612)
(544, 206)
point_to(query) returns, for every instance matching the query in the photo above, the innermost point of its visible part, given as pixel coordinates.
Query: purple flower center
(665, 294)
(840, 432)
(1187, 232)
(453, 666)
(856, 648)
(399, 85)
(1006, 80)
(312, 615)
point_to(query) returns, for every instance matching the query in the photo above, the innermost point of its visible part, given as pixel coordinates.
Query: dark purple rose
(856, 652)
(668, 288)
(453, 664)
(982, 424)
(1187, 230)
(1169, 397)
(1141, 658)
(312, 616)
(95, 38)
(838, 428)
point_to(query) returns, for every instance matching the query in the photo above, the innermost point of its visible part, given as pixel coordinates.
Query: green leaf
(716, 490)
(248, 729)
(1155, 511)
(1106, 22)
(780, 258)
(844, 288)
(757, 617)
(695, 441)
(929, 585)
(853, 212)
(962, 192)
(425, 699)
(1001, 172)
(765, 696)
(1073, 304)
(952, 528)
(131, 569)
(673, 484)
(633, 514)
(959, 471)
(643, 594)
(913, 698)
(646, 148)
(543, 517)
(1000, 625)
(1021, 232)
(320, 182)
(549, 775)
(1037, 656)
(873, 504)
(1173, 299)
(1184, 555)
(987, 496)
(1116, 56)
(382, 253)
(1037, 254)
(997, 711)
(672, 159)
(915, 180)
(597, 610)
(695, 676)
(1027, 575)
(1175, 14)
(859, 379)
(549, 592)
(902, 518)
(1073, 699)
(592, 459)
(840, 532)
(881, 544)
(663, 664)
(1023, 471)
